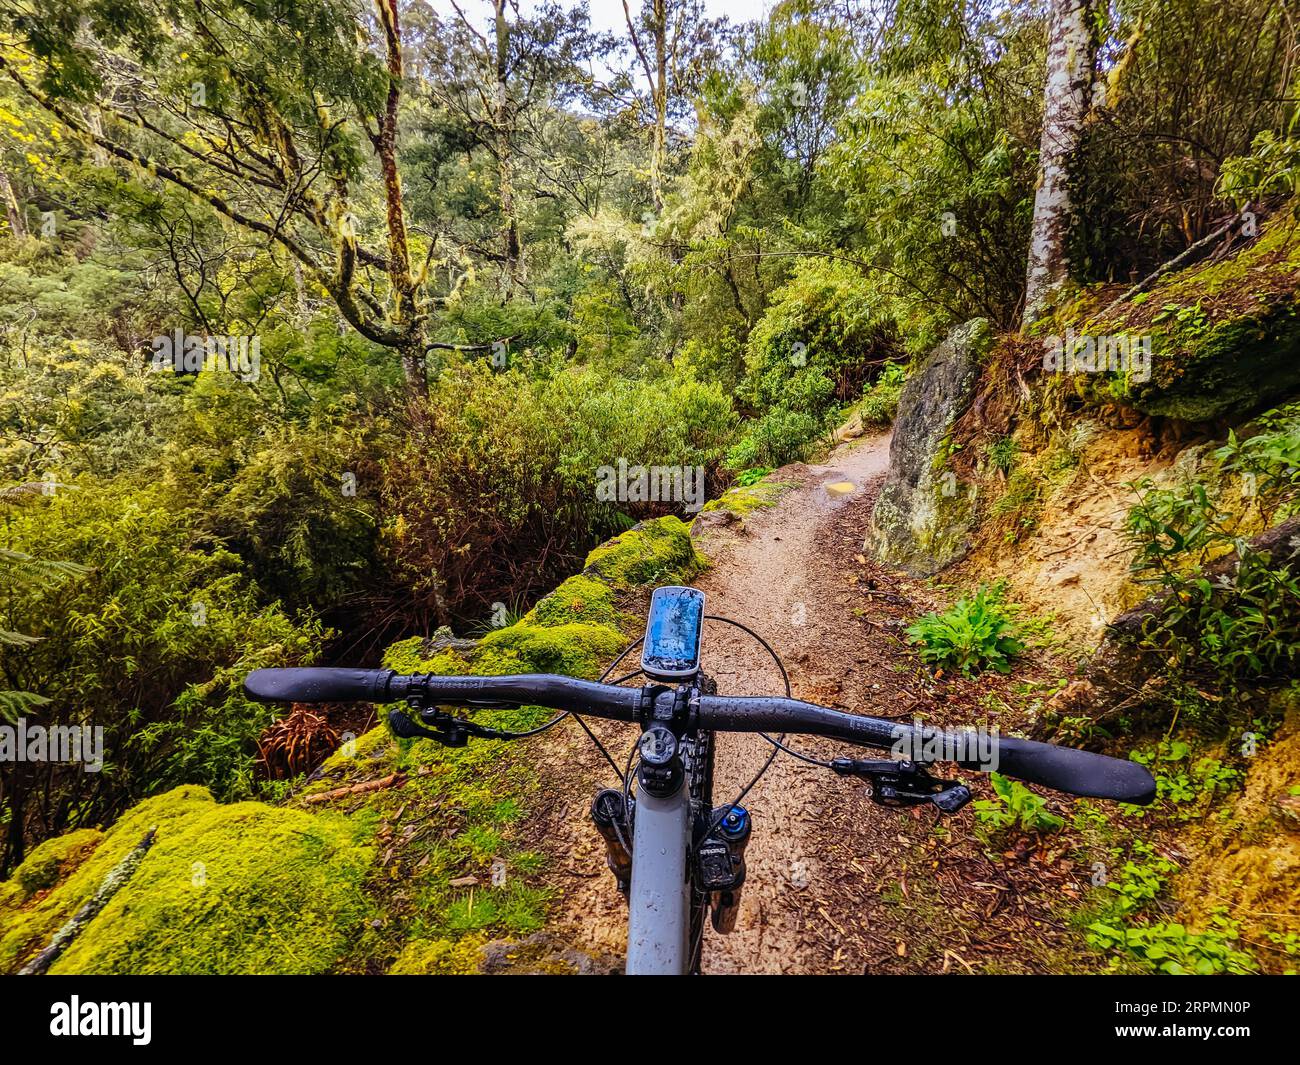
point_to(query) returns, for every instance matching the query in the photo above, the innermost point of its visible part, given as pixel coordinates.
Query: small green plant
(880, 403)
(1230, 626)
(979, 631)
(1015, 807)
(1183, 782)
(745, 478)
(1141, 879)
(1170, 948)
(1002, 453)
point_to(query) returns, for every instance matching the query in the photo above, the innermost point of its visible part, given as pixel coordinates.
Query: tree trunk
(658, 148)
(406, 314)
(17, 224)
(503, 121)
(1067, 92)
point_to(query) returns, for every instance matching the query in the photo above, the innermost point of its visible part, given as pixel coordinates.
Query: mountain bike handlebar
(1066, 769)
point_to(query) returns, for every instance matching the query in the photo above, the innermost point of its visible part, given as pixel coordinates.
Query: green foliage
(978, 631)
(1243, 623)
(505, 468)
(753, 475)
(879, 406)
(151, 644)
(1271, 166)
(1015, 807)
(774, 439)
(1183, 782)
(1169, 948)
(1002, 453)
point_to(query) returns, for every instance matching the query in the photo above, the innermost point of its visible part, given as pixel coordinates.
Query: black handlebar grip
(1077, 772)
(318, 685)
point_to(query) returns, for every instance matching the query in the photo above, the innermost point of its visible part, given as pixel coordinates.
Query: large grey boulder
(923, 514)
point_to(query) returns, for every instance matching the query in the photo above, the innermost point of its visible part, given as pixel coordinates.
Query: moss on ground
(746, 499)
(54, 860)
(244, 888)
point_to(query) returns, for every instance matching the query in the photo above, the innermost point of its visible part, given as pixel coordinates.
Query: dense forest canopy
(460, 257)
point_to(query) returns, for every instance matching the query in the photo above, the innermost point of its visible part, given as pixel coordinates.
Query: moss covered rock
(244, 888)
(1224, 336)
(922, 516)
(652, 552)
(54, 860)
(745, 499)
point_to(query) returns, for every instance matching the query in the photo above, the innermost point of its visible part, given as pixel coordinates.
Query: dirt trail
(835, 884)
(780, 581)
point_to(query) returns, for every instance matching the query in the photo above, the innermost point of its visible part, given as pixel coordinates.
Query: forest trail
(786, 578)
(835, 883)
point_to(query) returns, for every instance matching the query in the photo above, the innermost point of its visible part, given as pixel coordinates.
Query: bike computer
(672, 633)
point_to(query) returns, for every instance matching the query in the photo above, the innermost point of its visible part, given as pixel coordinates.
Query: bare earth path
(777, 580)
(835, 884)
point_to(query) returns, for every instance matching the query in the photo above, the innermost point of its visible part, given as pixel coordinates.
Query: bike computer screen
(672, 633)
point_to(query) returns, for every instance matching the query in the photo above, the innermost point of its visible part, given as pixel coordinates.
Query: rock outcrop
(921, 520)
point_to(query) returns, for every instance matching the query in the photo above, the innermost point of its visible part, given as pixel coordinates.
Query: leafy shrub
(978, 631)
(494, 495)
(827, 317)
(879, 406)
(1244, 624)
(151, 644)
(776, 438)
(1015, 807)
(295, 501)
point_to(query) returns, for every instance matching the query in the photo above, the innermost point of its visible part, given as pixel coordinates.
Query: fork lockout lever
(904, 783)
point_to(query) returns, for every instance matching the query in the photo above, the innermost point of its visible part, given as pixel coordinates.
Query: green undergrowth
(1161, 874)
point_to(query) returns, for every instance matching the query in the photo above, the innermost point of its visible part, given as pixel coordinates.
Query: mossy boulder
(743, 500)
(923, 514)
(241, 888)
(580, 599)
(651, 552)
(1224, 336)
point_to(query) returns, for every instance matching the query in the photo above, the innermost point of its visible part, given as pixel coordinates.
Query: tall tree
(496, 81)
(673, 42)
(259, 113)
(1067, 93)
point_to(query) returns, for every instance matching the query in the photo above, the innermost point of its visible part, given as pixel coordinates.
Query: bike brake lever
(904, 783)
